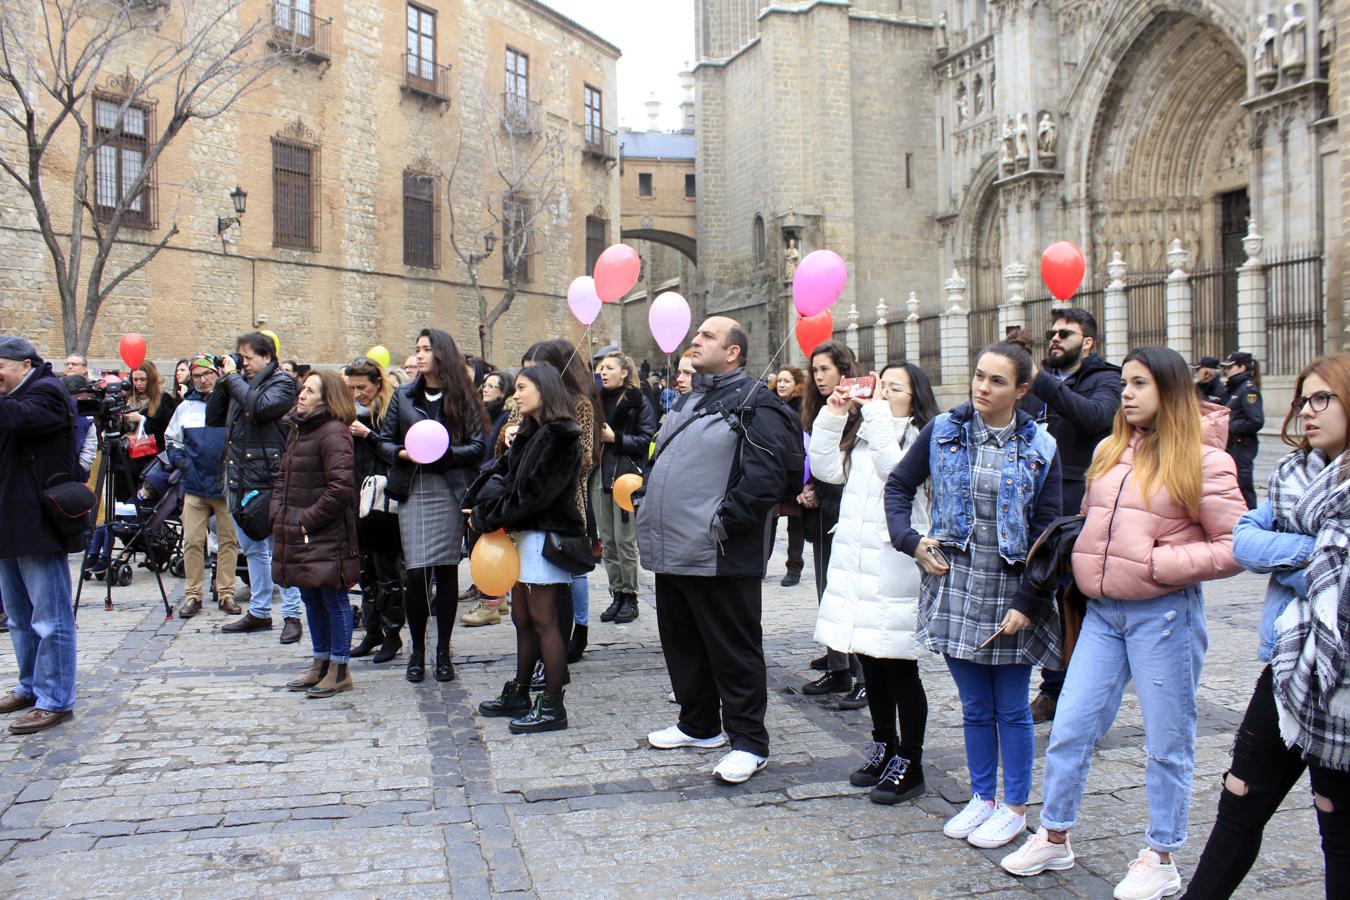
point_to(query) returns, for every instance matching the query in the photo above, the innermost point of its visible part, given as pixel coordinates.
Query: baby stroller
(150, 526)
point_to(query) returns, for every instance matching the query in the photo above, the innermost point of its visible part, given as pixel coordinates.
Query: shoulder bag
(571, 553)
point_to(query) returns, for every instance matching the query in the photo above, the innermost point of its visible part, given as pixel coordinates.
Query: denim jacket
(1280, 554)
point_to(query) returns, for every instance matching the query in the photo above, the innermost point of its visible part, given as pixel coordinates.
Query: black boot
(389, 649)
(548, 714)
(628, 609)
(869, 774)
(514, 700)
(613, 609)
(577, 645)
(829, 683)
(417, 667)
(373, 638)
(903, 778)
(445, 670)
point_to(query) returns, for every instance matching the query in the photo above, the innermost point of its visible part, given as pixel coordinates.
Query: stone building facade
(371, 119)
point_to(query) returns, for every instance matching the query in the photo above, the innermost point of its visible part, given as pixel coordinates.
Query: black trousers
(895, 694)
(714, 646)
(1245, 477)
(796, 542)
(1269, 769)
(835, 660)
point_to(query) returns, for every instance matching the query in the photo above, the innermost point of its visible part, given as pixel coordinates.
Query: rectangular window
(690, 186)
(516, 249)
(909, 171)
(422, 43)
(295, 18)
(294, 188)
(421, 220)
(594, 121)
(644, 184)
(596, 231)
(119, 158)
(517, 82)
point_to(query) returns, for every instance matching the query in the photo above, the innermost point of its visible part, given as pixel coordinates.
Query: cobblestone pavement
(190, 770)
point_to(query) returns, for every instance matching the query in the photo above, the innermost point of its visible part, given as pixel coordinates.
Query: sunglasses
(1318, 401)
(1062, 333)
(362, 362)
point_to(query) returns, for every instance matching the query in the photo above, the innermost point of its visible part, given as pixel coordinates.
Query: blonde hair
(630, 375)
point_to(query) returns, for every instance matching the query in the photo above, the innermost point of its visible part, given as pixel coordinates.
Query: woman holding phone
(995, 486)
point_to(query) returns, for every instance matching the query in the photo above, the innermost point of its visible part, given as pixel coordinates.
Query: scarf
(1310, 664)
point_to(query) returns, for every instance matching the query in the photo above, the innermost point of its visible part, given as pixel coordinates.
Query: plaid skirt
(430, 522)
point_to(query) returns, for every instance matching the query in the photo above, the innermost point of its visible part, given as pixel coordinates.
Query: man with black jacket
(250, 407)
(1076, 393)
(726, 454)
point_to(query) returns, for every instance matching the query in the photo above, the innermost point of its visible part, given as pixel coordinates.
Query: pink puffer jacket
(1129, 550)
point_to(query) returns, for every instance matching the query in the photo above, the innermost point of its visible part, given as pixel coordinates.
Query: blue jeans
(330, 622)
(100, 548)
(1160, 644)
(42, 627)
(259, 554)
(581, 599)
(996, 715)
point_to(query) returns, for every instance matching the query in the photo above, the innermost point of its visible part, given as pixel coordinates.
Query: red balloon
(132, 349)
(616, 271)
(812, 331)
(1062, 268)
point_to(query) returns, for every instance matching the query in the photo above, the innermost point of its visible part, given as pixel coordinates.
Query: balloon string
(584, 335)
(769, 367)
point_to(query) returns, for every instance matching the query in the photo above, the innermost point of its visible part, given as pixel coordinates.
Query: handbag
(375, 497)
(571, 553)
(140, 444)
(398, 483)
(67, 503)
(253, 513)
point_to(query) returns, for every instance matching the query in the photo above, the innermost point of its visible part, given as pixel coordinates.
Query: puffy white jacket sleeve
(878, 429)
(827, 461)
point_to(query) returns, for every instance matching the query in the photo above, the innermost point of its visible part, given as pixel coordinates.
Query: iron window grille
(121, 145)
(421, 219)
(295, 189)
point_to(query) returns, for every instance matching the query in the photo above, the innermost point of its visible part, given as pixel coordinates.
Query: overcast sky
(657, 40)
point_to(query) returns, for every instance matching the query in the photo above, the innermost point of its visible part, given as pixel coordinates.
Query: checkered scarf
(1311, 662)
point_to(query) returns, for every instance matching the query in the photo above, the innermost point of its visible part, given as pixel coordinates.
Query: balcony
(599, 143)
(521, 115)
(426, 79)
(300, 33)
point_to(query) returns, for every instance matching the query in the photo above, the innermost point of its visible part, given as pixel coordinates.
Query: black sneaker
(870, 773)
(829, 683)
(791, 579)
(628, 610)
(820, 663)
(856, 699)
(901, 781)
(612, 610)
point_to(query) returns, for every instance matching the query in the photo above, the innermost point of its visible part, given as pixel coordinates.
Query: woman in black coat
(625, 444)
(531, 492)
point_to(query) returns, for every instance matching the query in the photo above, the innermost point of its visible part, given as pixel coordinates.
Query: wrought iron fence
(1146, 299)
(1214, 327)
(1294, 313)
(983, 331)
(866, 347)
(930, 347)
(895, 340)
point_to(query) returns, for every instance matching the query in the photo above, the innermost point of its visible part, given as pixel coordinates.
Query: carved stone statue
(1023, 140)
(962, 104)
(1265, 62)
(791, 256)
(1005, 154)
(979, 96)
(1294, 42)
(1326, 43)
(1047, 138)
(942, 34)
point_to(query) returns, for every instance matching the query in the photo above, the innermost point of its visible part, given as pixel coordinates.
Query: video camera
(105, 403)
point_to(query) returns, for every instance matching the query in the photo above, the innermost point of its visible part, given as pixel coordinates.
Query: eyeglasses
(1062, 333)
(894, 388)
(1318, 401)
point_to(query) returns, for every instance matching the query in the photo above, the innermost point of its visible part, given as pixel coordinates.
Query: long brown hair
(335, 394)
(154, 387)
(813, 401)
(1334, 369)
(1175, 437)
(384, 386)
(460, 403)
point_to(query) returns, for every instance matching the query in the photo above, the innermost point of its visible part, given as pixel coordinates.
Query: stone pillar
(880, 339)
(1116, 329)
(851, 331)
(956, 333)
(1251, 288)
(913, 350)
(1180, 309)
(1014, 294)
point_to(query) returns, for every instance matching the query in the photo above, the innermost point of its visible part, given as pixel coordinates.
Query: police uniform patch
(1253, 397)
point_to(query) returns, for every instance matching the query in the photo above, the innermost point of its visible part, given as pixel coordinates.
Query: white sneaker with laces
(1149, 878)
(672, 738)
(967, 820)
(738, 765)
(1003, 827)
(1037, 855)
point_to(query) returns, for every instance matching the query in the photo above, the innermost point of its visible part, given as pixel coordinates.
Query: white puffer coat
(870, 604)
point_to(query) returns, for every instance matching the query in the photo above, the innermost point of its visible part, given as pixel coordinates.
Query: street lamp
(239, 198)
(489, 242)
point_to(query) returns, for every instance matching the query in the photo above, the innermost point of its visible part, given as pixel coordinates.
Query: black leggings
(419, 605)
(535, 613)
(1269, 770)
(895, 692)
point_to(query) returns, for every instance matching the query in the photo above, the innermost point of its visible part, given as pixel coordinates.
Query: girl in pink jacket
(1161, 503)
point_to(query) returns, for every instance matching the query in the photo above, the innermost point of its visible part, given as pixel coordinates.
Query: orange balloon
(494, 564)
(624, 486)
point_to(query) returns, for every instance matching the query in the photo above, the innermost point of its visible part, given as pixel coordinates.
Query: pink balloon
(669, 319)
(616, 271)
(819, 281)
(582, 299)
(426, 441)
(806, 471)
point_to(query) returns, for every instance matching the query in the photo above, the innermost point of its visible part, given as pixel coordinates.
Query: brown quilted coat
(313, 515)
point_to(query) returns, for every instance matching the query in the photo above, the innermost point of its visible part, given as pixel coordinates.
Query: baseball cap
(202, 362)
(1239, 358)
(1206, 362)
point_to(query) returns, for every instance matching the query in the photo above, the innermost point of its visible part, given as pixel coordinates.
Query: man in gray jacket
(725, 455)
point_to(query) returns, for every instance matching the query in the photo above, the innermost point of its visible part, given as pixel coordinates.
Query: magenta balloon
(582, 299)
(819, 281)
(426, 441)
(616, 271)
(669, 319)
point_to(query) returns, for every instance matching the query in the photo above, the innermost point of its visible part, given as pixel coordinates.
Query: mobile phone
(860, 388)
(938, 556)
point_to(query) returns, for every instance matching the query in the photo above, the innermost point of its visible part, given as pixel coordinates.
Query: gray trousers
(618, 530)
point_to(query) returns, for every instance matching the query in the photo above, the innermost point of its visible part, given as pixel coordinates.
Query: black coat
(1212, 391)
(37, 420)
(251, 412)
(409, 406)
(532, 487)
(1246, 417)
(630, 416)
(1078, 412)
(313, 521)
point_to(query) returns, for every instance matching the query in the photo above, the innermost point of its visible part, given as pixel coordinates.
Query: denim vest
(1030, 451)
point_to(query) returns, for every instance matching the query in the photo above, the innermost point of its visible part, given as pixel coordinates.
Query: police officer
(1245, 418)
(1208, 384)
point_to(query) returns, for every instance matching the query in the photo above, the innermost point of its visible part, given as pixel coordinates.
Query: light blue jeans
(581, 599)
(1160, 645)
(42, 627)
(996, 716)
(329, 612)
(259, 554)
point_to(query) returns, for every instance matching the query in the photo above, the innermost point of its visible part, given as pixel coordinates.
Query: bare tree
(525, 161)
(82, 76)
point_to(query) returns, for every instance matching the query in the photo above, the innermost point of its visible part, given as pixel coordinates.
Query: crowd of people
(1064, 517)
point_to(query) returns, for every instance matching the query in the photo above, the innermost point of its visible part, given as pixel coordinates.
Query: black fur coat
(532, 487)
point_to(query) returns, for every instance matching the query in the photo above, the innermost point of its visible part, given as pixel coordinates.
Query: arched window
(761, 249)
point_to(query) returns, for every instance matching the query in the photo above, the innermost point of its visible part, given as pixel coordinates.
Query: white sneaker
(1149, 878)
(967, 820)
(738, 765)
(1003, 827)
(672, 738)
(1037, 855)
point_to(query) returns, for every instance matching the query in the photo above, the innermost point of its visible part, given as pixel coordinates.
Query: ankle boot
(389, 649)
(577, 645)
(373, 638)
(548, 714)
(318, 668)
(613, 609)
(513, 700)
(445, 670)
(337, 680)
(417, 667)
(628, 609)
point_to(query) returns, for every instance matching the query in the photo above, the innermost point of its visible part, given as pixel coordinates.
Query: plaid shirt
(960, 611)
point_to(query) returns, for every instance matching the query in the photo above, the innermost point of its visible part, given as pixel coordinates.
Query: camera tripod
(111, 450)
